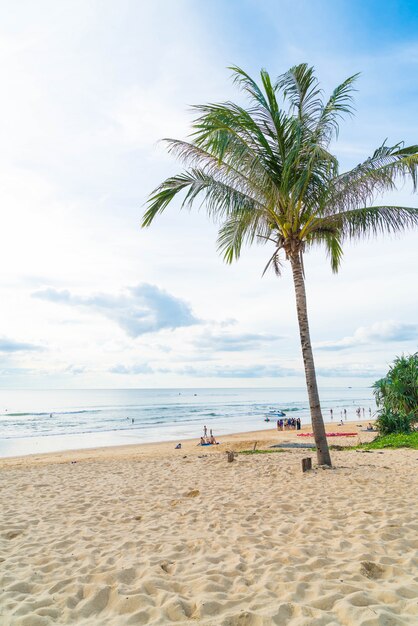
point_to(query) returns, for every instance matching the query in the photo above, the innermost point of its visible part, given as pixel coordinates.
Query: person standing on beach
(332, 413)
(345, 414)
(205, 431)
(212, 439)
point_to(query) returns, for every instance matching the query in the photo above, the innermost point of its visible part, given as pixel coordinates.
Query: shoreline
(233, 441)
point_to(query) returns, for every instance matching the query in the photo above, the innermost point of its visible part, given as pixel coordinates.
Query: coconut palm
(266, 174)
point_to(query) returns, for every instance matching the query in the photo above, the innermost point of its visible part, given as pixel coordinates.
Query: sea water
(36, 421)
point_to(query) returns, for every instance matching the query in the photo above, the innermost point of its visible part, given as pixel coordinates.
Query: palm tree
(266, 174)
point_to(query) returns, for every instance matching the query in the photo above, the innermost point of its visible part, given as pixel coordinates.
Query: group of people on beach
(205, 440)
(208, 440)
(291, 423)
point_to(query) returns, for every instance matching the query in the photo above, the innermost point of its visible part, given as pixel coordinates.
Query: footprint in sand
(371, 570)
(168, 566)
(12, 534)
(193, 493)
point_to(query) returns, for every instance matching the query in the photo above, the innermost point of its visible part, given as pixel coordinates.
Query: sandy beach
(153, 535)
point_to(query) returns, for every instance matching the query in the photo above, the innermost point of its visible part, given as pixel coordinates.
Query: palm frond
(248, 85)
(224, 127)
(367, 221)
(250, 177)
(377, 174)
(340, 103)
(300, 86)
(265, 107)
(275, 263)
(320, 232)
(161, 197)
(221, 200)
(241, 227)
(334, 251)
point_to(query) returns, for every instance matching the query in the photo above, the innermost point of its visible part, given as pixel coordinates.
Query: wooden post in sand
(306, 464)
(231, 456)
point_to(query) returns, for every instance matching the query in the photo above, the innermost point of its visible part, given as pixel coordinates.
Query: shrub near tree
(397, 396)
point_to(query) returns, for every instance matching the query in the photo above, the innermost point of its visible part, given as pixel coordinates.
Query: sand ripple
(151, 541)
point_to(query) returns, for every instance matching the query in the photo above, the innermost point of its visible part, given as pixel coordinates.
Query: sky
(91, 300)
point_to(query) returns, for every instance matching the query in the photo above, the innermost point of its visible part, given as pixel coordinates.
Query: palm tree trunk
(318, 427)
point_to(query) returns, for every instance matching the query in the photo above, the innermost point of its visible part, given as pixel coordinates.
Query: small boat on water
(274, 414)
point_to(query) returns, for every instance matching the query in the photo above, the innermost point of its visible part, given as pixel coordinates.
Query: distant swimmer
(133, 421)
(50, 415)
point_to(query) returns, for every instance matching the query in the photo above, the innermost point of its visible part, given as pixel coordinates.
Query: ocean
(37, 421)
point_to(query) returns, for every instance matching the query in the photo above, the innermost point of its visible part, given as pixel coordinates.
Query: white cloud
(10, 346)
(376, 333)
(228, 342)
(142, 309)
(255, 370)
(90, 88)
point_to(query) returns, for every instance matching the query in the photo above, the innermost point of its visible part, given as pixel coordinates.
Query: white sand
(142, 535)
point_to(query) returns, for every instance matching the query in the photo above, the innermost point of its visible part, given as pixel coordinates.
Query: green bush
(388, 422)
(397, 396)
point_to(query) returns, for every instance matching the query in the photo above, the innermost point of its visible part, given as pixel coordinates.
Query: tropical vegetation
(397, 396)
(265, 172)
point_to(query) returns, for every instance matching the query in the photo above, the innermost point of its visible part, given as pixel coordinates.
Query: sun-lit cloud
(140, 310)
(376, 333)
